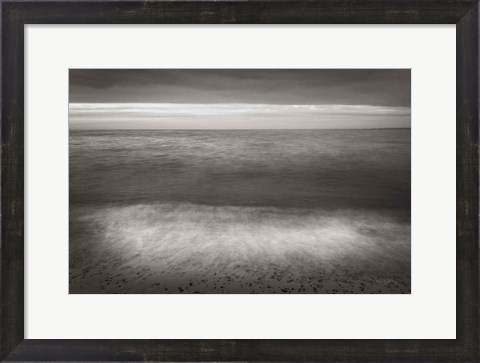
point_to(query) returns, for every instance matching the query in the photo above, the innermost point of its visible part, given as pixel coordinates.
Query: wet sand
(144, 281)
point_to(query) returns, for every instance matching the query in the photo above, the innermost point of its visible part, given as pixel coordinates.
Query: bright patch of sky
(234, 116)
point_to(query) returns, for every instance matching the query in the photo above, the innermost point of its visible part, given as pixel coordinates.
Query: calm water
(301, 211)
(326, 169)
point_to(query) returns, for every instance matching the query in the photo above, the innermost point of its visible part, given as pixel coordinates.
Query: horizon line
(303, 129)
(234, 103)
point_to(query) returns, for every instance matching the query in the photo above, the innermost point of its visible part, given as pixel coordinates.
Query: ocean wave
(181, 247)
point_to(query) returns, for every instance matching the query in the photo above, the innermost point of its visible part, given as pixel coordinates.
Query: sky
(239, 98)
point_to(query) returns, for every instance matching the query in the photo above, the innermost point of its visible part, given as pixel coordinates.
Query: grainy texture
(241, 12)
(12, 185)
(16, 14)
(467, 179)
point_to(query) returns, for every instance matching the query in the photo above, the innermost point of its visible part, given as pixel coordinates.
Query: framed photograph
(225, 181)
(239, 181)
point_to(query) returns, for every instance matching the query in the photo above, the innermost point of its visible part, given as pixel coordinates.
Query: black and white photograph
(239, 181)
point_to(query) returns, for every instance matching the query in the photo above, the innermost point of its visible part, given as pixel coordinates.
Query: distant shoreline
(185, 130)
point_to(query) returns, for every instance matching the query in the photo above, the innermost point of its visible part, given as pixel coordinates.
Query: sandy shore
(145, 281)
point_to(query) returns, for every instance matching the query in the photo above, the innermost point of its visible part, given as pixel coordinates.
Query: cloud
(380, 87)
(233, 116)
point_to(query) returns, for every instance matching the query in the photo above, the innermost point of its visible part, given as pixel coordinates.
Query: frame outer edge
(12, 223)
(12, 174)
(467, 247)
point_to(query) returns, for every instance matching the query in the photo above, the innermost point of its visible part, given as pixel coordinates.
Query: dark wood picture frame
(15, 14)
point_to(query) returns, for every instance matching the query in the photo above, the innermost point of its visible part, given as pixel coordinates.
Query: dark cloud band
(375, 87)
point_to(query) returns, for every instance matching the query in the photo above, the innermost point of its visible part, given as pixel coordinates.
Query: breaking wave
(182, 247)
